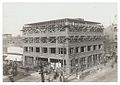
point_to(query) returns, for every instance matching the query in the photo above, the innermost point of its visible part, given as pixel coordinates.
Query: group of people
(57, 75)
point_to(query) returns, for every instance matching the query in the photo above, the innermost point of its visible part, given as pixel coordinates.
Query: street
(108, 74)
(34, 77)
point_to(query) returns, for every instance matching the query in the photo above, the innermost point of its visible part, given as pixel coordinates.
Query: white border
(56, 83)
(59, 0)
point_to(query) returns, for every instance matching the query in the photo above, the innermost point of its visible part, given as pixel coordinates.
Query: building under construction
(69, 43)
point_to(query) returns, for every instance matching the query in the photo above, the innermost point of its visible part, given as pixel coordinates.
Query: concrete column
(92, 61)
(40, 49)
(56, 50)
(79, 49)
(24, 60)
(97, 47)
(92, 48)
(48, 59)
(68, 69)
(49, 62)
(97, 59)
(79, 64)
(86, 61)
(34, 61)
(48, 50)
(85, 49)
(54, 65)
(28, 61)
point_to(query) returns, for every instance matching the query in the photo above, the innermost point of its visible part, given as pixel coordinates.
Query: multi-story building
(70, 42)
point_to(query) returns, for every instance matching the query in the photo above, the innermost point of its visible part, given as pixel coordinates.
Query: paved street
(106, 75)
(34, 77)
(109, 76)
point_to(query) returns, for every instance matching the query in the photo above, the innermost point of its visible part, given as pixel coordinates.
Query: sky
(15, 15)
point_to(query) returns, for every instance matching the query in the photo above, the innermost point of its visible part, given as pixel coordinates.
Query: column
(68, 69)
(34, 61)
(97, 47)
(79, 49)
(48, 59)
(86, 62)
(57, 51)
(92, 62)
(79, 64)
(24, 60)
(85, 48)
(40, 49)
(91, 47)
(49, 63)
(97, 59)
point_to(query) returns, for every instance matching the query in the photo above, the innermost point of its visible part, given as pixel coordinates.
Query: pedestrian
(112, 66)
(27, 69)
(60, 78)
(55, 74)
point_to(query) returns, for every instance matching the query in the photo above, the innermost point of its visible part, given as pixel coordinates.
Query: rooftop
(81, 20)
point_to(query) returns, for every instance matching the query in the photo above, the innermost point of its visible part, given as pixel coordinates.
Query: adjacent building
(67, 43)
(6, 39)
(111, 40)
(9, 41)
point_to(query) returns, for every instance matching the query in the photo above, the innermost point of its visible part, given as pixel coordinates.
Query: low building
(14, 54)
(9, 41)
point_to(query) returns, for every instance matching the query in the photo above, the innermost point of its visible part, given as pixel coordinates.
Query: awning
(14, 57)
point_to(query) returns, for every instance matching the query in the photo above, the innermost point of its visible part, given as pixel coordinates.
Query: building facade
(68, 43)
